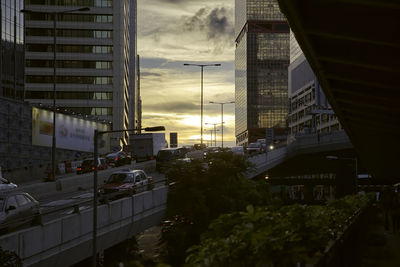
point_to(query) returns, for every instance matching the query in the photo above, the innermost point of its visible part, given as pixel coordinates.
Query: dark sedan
(118, 159)
(18, 208)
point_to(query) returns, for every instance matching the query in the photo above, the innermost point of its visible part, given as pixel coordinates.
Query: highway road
(64, 204)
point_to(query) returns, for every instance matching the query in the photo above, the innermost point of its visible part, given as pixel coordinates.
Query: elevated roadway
(353, 49)
(292, 156)
(68, 239)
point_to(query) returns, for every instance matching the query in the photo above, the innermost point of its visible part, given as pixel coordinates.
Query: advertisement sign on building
(173, 140)
(71, 133)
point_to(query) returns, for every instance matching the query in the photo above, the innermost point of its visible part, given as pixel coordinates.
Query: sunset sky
(173, 32)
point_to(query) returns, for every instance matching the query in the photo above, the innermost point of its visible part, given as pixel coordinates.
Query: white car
(6, 184)
(239, 150)
(254, 148)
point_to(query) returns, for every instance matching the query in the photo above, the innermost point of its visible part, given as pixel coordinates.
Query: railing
(75, 207)
(67, 240)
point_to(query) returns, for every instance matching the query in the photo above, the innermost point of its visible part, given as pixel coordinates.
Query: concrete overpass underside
(353, 48)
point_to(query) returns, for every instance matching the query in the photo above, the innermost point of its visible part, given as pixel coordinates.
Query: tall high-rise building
(261, 62)
(309, 110)
(11, 49)
(95, 66)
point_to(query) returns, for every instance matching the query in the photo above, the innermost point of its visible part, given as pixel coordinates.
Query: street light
(201, 101)
(95, 159)
(222, 118)
(215, 131)
(55, 13)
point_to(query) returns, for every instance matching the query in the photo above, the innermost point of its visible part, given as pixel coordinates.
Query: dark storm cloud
(176, 107)
(217, 23)
(146, 73)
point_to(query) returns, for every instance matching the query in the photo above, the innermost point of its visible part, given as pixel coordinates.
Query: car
(239, 150)
(118, 159)
(18, 208)
(125, 183)
(6, 184)
(167, 155)
(88, 165)
(254, 148)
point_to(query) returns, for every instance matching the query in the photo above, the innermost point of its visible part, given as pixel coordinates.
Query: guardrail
(75, 207)
(74, 183)
(67, 240)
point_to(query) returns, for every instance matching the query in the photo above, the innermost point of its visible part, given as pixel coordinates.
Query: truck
(146, 146)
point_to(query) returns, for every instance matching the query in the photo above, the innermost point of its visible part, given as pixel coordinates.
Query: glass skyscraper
(96, 55)
(261, 62)
(11, 49)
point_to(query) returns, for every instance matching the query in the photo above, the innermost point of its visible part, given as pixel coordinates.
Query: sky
(174, 32)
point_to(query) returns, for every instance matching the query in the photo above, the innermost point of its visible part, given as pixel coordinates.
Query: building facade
(261, 62)
(95, 59)
(309, 110)
(11, 49)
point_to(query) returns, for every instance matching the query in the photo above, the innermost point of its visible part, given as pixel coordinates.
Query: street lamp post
(211, 138)
(201, 101)
(55, 13)
(215, 132)
(222, 118)
(96, 136)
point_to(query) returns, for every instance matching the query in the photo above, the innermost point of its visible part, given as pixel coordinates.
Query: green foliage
(267, 235)
(9, 259)
(204, 190)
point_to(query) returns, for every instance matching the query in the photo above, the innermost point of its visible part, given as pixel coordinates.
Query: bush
(270, 235)
(9, 259)
(204, 190)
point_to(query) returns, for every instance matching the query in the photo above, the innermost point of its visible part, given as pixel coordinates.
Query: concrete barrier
(67, 240)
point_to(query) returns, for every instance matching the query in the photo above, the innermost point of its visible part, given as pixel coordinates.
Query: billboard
(71, 133)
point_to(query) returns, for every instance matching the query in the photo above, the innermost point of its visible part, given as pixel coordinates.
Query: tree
(203, 190)
(9, 259)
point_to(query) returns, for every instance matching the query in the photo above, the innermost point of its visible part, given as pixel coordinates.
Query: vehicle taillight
(116, 159)
(92, 168)
(79, 168)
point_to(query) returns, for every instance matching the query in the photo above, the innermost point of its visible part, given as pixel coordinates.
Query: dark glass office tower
(261, 62)
(12, 49)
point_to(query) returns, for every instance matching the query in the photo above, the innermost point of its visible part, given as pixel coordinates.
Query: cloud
(176, 107)
(173, 32)
(220, 23)
(145, 73)
(216, 24)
